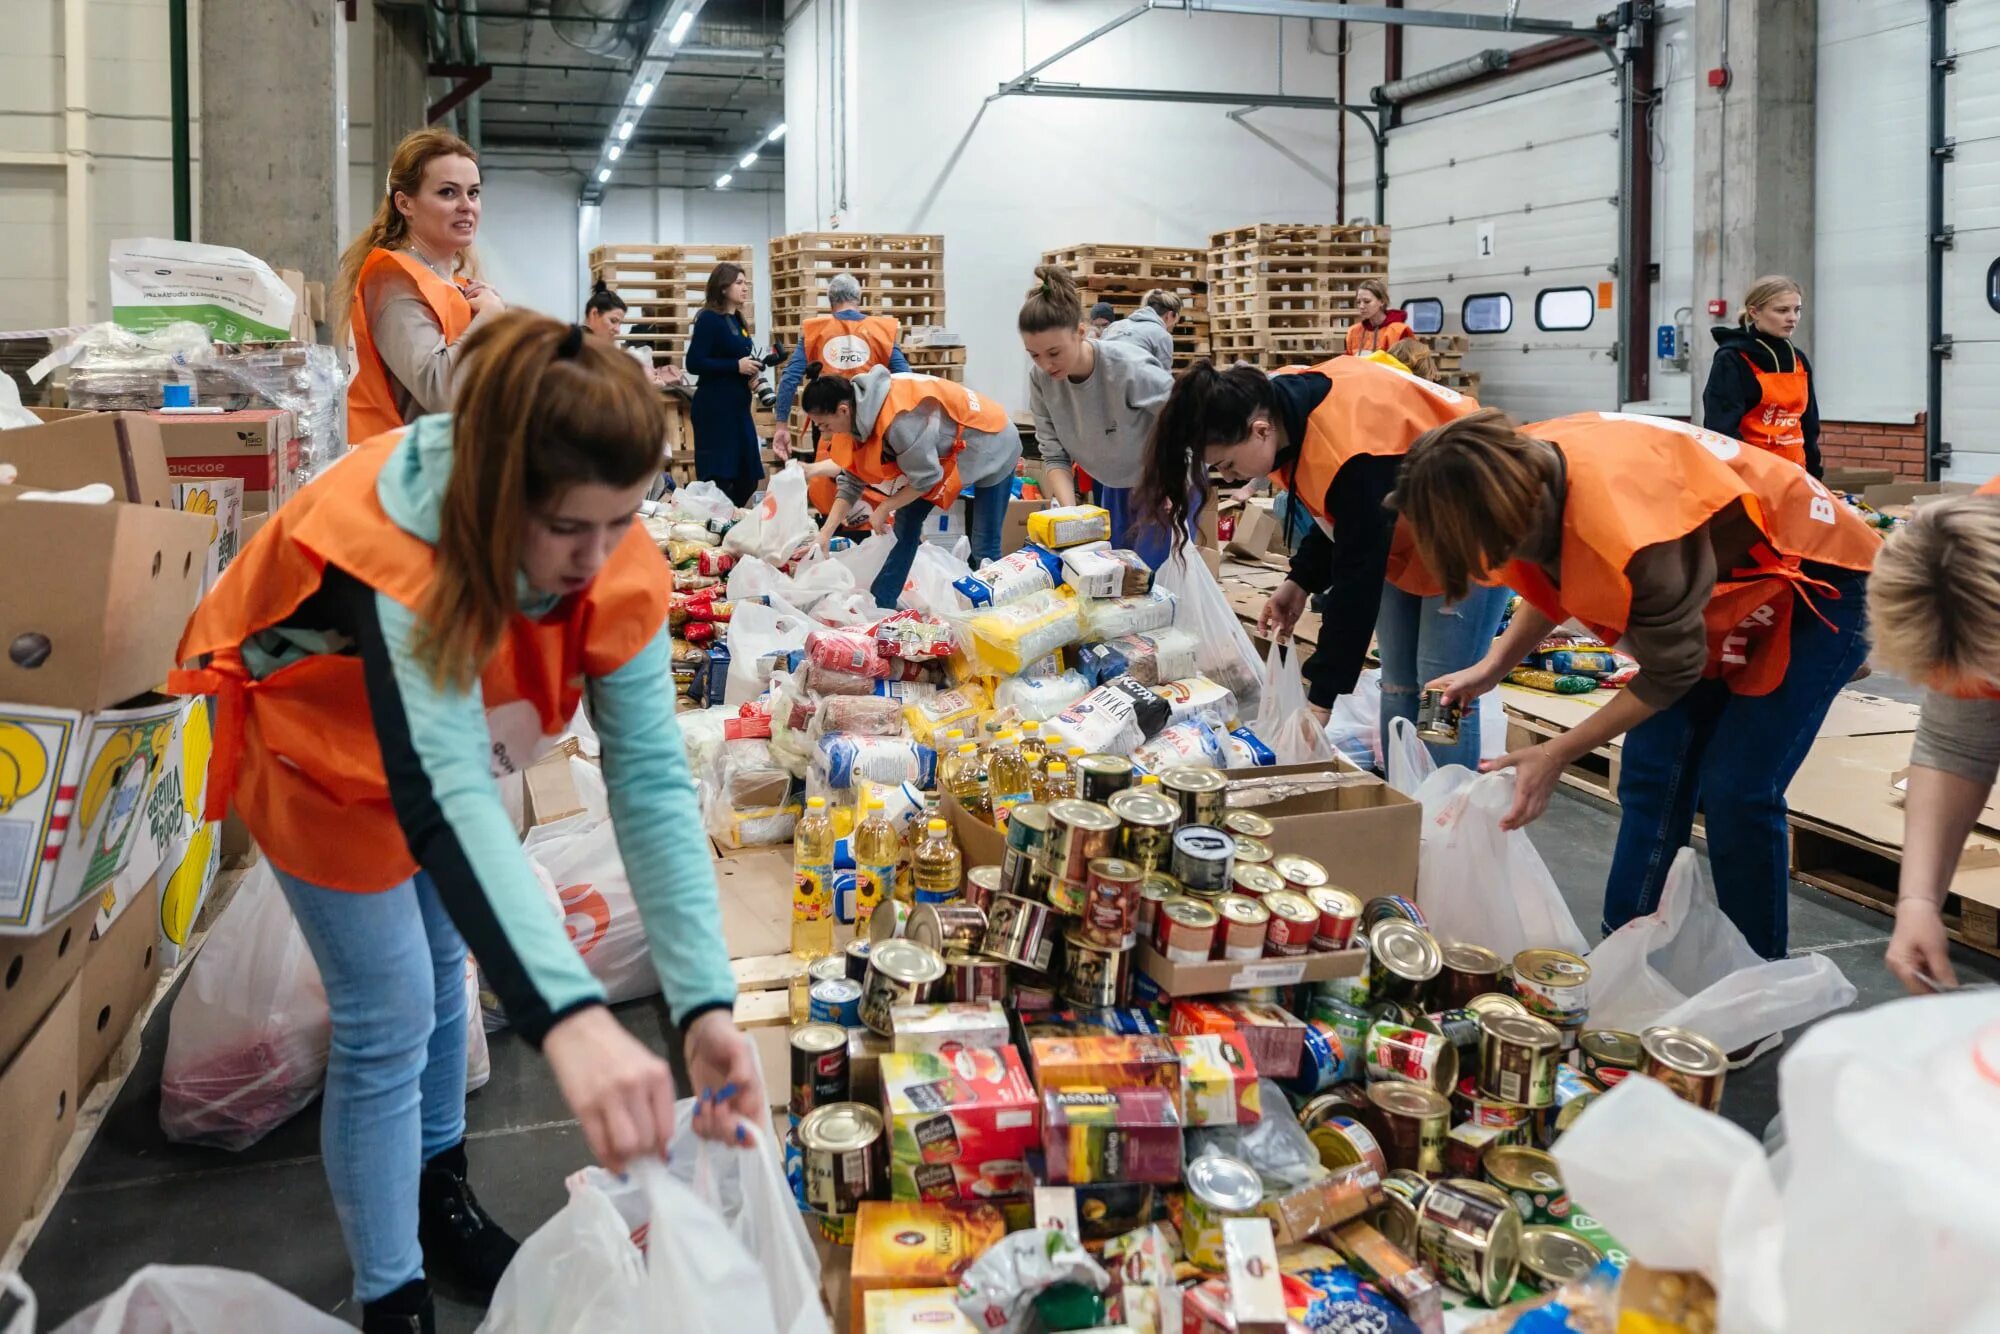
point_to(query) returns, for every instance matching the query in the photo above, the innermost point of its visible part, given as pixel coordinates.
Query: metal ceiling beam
(1402, 18)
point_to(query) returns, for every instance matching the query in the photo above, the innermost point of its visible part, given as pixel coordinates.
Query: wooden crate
(1849, 866)
(664, 288)
(1284, 293)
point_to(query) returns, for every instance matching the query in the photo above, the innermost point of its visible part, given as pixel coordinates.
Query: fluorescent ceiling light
(747, 158)
(624, 131)
(776, 134)
(615, 153)
(603, 175)
(681, 26)
(723, 180)
(644, 95)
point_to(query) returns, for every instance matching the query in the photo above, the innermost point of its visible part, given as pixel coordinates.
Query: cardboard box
(221, 500)
(1275, 1036)
(1014, 535)
(549, 789)
(1256, 1290)
(1912, 493)
(38, 1100)
(95, 597)
(85, 784)
(175, 843)
(1364, 832)
(1306, 1211)
(960, 1128)
(912, 1311)
(1108, 1061)
(917, 1244)
(33, 972)
(119, 976)
(121, 449)
(1216, 975)
(1091, 1135)
(1218, 1080)
(258, 447)
(1857, 479)
(253, 523)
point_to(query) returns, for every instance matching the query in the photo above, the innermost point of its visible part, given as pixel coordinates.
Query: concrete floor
(137, 1199)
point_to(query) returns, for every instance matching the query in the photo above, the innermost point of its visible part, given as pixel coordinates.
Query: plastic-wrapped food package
(1098, 570)
(1174, 653)
(907, 692)
(828, 681)
(754, 803)
(843, 760)
(862, 715)
(1275, 1146)
(914, 636)
(695, 534)
(1244, 749)
(1197, 696)
(1040, 697)
(1099, 662)
(1011, 577)
(997, 1293)
(1002, 640)
(1069, 526)
(1191, 742)
(846, 651)
(1105, 720)
(1224, 653)
(1108, 618)
(1148, 709)
(928, 718)
(1049, 664)
(307, 380)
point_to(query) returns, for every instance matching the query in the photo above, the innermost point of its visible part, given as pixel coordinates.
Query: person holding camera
(724, 361)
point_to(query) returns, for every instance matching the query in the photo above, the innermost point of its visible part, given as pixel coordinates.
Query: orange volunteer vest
(849, 347)
(1371, 409)
(1361, 338)
(371, 402)
(1775, 424)
(1635, 481)
(297, 752)
(871, 460)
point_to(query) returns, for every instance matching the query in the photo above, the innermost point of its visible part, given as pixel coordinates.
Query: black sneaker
(407, 1310)
(464, 1249)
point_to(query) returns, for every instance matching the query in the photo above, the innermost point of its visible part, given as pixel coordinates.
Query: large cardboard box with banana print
(185, 851)
(74, 793)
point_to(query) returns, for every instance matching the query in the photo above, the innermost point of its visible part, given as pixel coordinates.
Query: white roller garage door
(1970, 420)
(1517, 198)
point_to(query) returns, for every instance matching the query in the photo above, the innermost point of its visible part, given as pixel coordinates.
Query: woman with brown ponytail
(409, 286)
(425, 617)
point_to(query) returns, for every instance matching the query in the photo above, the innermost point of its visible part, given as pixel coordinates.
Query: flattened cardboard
(549, 790)
(121, 449)
(1216, 975)
(33, 972)
(1845, 785)
(119, 975)
(38, 1101)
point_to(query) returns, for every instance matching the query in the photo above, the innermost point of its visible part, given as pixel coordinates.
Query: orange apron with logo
(1775, 423)
(1375, 409)
(371, 400)
(872, 461)
(1361, 338)
(849, 347)
(1636, 481)
(296, 753)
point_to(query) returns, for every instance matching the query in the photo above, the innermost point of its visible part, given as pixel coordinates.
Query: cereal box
(960, 1126)
(1275, 1037)
(913, 1311)
(1118, 1134)
(940, 1027)
(918, 1244)
(1218, 1080)
(1113, 1061)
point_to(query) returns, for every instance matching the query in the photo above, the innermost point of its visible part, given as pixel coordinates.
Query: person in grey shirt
(1151, 326)
(1934, 607)
(1094, 404)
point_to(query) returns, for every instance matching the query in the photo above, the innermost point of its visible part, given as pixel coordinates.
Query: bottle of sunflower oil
(1033, 747)
(1008, 777)
(1054, 783)
(812, 882)
(878, 851)
(937, 868)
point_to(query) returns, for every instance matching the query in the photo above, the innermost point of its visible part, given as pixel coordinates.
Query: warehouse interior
(1571, 206)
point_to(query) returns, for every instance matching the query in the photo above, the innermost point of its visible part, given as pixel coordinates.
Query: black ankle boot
(463, 1247)
(407, 1310)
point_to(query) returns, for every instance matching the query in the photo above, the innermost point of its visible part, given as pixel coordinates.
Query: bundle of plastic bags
(1226, 655)
(780, 526)
(197, 1299)
(1285, 719)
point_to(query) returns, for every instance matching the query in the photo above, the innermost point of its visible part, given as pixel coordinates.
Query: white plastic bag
(593, 897)
(700, 502)
(933, 571)
(199, 1299)
(478, 1058)
(779, 525)
(1686, 964)
(758, 633)
(1407, 762)
(747, 1187)
(20, 1315)
(1479, 883)
(248, 1037)
(1227, 656)
(1285, 719)
(865, 559)
(1354, 723)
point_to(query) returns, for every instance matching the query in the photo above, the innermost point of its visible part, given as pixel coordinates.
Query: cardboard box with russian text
(259, 447)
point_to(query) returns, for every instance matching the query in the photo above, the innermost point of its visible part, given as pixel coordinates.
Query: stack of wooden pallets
(945, 359)
(1122, 275)
(901, 274)
(663, 287)
(1448, 352)
(1283, 294)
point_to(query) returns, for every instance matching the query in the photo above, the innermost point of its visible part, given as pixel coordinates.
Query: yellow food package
(912, 1246)
(1069, 526)
(914, 1311)
(930, 718)
(1004, 639)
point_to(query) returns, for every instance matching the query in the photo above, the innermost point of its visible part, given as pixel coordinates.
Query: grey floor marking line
(1839, 945)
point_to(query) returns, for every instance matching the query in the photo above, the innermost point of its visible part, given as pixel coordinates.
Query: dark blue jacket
(725, 439)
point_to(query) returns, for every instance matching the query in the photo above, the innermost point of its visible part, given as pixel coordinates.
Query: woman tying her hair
(1094, 402)
(1760, 387)
(408, 287)
(604, 314)
(1374, 331)
(428, 613)
(919, 441)
(1737, 582)
(1334, 437)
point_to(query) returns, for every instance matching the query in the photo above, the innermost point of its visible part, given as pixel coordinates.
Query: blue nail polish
(742, 1135)
(725, 1093)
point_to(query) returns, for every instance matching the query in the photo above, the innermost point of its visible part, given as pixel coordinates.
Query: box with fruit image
(960, 1127)
(73, 792)
(185, 851)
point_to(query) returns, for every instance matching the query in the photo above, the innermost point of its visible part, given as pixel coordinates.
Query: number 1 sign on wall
(1485, 250)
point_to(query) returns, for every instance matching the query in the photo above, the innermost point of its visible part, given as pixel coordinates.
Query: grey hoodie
(1104, 422)
(921, 439)
(1145, 327)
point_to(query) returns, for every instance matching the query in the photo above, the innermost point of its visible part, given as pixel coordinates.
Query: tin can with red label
(1154, 890)
(1245, 924)
(1294, 923)
(1607, 1055)
(1184, 931)
(1339, 912)
(1411, 1056)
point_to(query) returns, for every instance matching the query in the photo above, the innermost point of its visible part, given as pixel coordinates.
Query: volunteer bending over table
(1934, 601)
(429, 611)
(918, 441)
(1333, 436)
(1732, 576)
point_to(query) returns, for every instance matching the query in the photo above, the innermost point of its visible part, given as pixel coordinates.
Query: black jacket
(1733, 392)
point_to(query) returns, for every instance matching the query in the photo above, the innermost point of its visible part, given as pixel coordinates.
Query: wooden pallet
(669, 254)
(856, 241)
(1264, 233)
(1861, 871)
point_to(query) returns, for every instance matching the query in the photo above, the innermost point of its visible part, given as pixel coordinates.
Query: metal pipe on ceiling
(1444, 76)
(596, 26)
(468, 38)
(1397, 17)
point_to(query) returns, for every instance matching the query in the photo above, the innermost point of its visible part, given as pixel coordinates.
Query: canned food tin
(1111, 917)
(1253, 880)
(1467, 970)
(1030, 992)
(1413, 1121)
(1100, 777)
(1024, 865)
(1343, 1141)
(1080, 832)
(1402, 1192)
(1185, 930)
(1403, 960)
(1531, 1179)
(1394, 1052)
(1607, 1055)
(1686, 1062)
(1438, 718)
(1389, 907)
(837, 1002)
(829, 968)
(1352, 989)
(1200, 791)
(900, 972)
(887, 921)
(1148, 821)
(1553, 1257)
(1070, 898)
(948, 928)
(1553, 984)
(843, 1148)
(1095, 977)
(1218, 1187)
(1574, 1094)
(1300, 873)
(1249, 824)
(1294, 923)
(856, 958)
(1351, 1023)
(1470, 1236)
(1252, 851)
(1245, 924)
(1340, 1100)
(1154, 890)
(1339, 912)
(1494, 1002)
(1391, 1012)
(976, 978)
(1518, 1055)
(820, 1073)
(1325, 1060)
(1482, 1109)
(1020, 931)
(983, 882)
(1202, 859)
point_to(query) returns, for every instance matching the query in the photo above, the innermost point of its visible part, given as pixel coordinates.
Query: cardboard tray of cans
(1203, 979)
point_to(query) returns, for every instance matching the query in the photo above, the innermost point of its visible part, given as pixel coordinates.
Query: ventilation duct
(600, 27)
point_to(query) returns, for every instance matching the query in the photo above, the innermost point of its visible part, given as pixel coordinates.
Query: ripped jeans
(1421, 639)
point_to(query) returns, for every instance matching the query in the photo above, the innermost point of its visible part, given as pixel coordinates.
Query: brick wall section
(1875, 445)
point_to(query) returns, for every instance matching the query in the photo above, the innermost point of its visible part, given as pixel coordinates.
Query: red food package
(914, 635)
(699, 632)
(846, 651)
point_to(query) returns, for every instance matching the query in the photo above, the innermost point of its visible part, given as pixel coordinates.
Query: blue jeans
(1732, 757)
(394, 970)
(985, 517)
(1150, 540)
(1421, 639)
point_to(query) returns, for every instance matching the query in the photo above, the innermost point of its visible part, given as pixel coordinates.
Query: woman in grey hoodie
(1151, 326)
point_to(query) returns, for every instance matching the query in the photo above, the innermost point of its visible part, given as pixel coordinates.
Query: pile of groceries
(1152, 1071)
(1567, 663)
